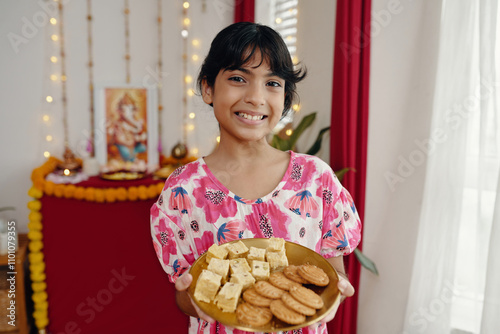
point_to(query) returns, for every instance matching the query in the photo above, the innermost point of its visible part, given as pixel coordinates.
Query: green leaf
(317, 144)
(366, 262)
(341, 173)
(279, 143)
(303, 125)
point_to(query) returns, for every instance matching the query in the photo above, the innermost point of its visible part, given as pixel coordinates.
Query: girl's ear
(206, 92)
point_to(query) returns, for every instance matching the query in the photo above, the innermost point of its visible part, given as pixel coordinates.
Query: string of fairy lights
(55, 98)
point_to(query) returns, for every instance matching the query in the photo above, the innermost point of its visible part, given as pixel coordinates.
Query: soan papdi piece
(276, 245)
(219, 252)
(239, 265)
(255, 253)
(237, 249)
(260, 270)
(207, 286)
(277, 260)
(220, 267)
(245, 279)
(228, 296)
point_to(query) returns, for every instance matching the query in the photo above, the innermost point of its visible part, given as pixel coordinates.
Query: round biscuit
(307, 296)
(280, 311)
(253, 297)
(278, 279)
(313, 274)
(297, 306)
(291, 273)
(268, 290)
(252, 315)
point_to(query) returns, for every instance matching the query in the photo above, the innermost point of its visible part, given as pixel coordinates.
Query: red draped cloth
(349, 125)
(244, 11)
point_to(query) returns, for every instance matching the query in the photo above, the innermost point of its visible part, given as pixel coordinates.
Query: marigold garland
(35, 226)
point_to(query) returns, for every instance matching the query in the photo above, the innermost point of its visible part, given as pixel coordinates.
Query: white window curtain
(455, 284)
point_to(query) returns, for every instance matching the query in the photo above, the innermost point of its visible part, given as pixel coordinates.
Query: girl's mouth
(250, 117)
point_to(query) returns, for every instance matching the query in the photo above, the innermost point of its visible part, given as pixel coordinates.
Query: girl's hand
(346, 290)
(184, 301)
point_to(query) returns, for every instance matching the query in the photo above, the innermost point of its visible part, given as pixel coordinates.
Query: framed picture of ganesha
(126, 130)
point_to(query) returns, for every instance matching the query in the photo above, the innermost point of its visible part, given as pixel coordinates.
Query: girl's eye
(274, 84)
(236, 79)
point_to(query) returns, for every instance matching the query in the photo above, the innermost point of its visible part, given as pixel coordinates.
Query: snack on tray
(239, 265)
(207, 286)
(297, 306)
(228, 296)
(216, 251)
(260, 270)
(253, 297)
(307, 297)
(268, 290)
(313, 274)
(253, 315)
(245, 279)
(220, 267)
(279, 309)
(255, 253)
(237, 249)
(277, 260)
(291, 273)
(276, 245)
(278, 279)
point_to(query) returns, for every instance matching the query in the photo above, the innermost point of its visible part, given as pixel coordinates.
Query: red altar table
(102, 272)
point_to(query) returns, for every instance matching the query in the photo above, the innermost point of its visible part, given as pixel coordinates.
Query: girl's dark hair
(236, 44)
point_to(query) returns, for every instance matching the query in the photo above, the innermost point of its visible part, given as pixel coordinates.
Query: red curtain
(244, 11)
(349, 125)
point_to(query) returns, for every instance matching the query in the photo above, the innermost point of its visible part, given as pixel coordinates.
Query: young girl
(246, 188)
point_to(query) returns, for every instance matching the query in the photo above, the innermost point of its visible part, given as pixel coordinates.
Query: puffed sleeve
(168, 239)
(341, 224)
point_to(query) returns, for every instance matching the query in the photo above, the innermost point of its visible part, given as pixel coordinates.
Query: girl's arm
(184, 301)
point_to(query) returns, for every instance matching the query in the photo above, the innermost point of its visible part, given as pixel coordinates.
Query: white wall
(25, 69)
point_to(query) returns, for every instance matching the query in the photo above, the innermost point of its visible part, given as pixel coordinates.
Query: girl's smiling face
(248, 102)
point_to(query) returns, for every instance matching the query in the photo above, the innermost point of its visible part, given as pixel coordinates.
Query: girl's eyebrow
(247, 71)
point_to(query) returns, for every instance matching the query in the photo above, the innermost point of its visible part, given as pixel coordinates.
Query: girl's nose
(255, 95)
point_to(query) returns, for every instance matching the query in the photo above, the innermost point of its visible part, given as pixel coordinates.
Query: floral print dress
(309, 207)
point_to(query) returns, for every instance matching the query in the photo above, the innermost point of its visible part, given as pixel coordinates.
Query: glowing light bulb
(188, 79)
(195, 42)
(192, 115)
(184, 33)
(190, 92)
(217, 139)
(49, 99)
(194, 57)
(190, 127)
(67, 172)
(278, 20)
(187, 21)
(48, 138)
(46, 154)
(53, 77)
(289, 132)
(53, 59)
(295, 60)
(46, 118)
(53, 21)
(194, 150)
(296, 107)
(55, 38)
(185, 4)
(63, 78)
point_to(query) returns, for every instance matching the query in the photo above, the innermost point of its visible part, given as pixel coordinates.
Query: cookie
(280, 311)
(268, 290)
(297, 306)
(313, 274)
(253, 297)
(291, 273)
(279, 280)
(252, 315)
(307, 297)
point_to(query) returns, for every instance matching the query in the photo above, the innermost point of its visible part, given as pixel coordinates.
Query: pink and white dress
(309, 207)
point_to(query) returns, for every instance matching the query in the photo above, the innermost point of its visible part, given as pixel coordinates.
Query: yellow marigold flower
(69, 190)
(79, 193)
(121, 194)
(41, 305)
(59, 190)
(38, 277)
(35, 257)
(35, 226)
(40, 296)
(34, 205)
(151, 191)
(133, 193)
(39, 286)
(35, 216)
(35, 235)
(35, 246)
(35, 192)
(37, 268)
(41, 323)
(143, 192)
(49, 188)
(110, 195)
(40, 314)
(90, 194)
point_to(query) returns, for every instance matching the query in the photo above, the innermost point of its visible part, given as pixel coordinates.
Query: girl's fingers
(183, 282)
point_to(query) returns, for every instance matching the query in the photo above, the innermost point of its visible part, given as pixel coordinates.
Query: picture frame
(126, 128)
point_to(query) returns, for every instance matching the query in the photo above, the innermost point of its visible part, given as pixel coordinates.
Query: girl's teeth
(250, 117)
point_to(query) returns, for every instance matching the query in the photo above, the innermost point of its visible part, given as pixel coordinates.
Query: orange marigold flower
(99, 195)
(133, 193)
(69, 191)
(79, 193)
(90, 194)
(143, 192)
(110, 195)
(59, 190)
(159, 187)
(152, 191)
(121, 194)
(49, 188)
